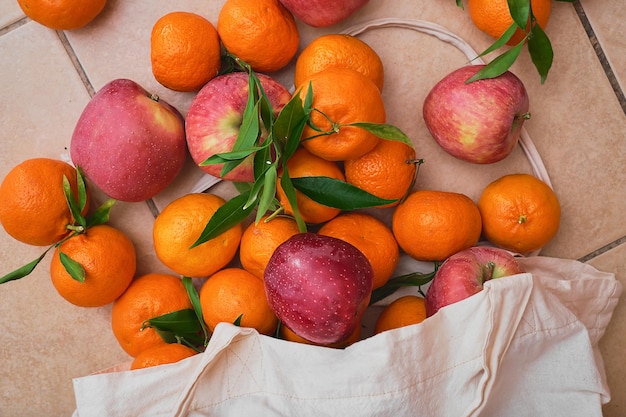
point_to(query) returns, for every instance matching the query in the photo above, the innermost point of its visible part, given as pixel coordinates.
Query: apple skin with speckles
(478, 122)
(465, 273)
(128, 142)
(318, 286)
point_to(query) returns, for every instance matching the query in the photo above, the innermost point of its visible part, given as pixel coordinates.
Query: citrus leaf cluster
(272, 140)
(539, 45)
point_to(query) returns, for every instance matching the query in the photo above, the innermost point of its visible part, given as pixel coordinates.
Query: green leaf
(249, 130)
(192, 293)
(176, 326)
(337, 193)
(82, 189)
(501, 41)
(76, 270)
(228, 215)
(268, 192)
(290, 192)
(101, 214)
(237, 321)
(459, 3)
(72, 203)
(289, 126)
(499, 65)
(540, 50)
(232, 156)
(384, 131)
(24, 270)
(414, 279)
(520, 12)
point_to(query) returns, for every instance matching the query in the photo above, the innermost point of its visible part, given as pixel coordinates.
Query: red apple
(129, 143)
(322, 13)
(215, 116)
(318, 286)
(464, 273)
(478, 122)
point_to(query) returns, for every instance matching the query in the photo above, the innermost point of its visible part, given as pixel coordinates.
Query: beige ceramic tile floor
(46, 78)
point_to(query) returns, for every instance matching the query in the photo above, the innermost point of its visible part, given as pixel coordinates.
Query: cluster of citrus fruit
(45, 202)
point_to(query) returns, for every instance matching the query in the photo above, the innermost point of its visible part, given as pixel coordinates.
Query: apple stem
(524, 116)
(154, 97)
(490, 269)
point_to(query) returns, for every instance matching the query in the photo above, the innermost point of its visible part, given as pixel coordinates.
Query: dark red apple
(464, 274)
(319, 286)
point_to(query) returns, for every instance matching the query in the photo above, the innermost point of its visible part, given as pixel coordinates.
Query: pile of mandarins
(46, 202)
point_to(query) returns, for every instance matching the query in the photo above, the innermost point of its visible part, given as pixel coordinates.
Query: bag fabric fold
(524, 346)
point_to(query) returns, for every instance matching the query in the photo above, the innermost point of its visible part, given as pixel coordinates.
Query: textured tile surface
(609, 31)
(577, 125)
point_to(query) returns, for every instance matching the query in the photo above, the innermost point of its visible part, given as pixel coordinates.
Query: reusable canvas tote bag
(527, 345)
(524, 346)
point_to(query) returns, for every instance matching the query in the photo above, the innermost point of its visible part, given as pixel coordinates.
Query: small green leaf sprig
(539, 46)
(80, 225)
(273, 140)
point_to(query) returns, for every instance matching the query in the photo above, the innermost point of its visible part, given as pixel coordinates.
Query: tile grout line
(603, 249)
(77, 65)
(606, 66)
(14, 25)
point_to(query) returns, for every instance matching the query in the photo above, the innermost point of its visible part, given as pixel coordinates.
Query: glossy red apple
(464, 274)
(215, 115)
(129, 143)
(319, 286)
(322, 13)
(478, 122)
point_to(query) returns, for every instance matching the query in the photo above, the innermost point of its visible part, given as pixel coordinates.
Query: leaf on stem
(101, 214)
(72, 203)
(266, 201)
(82, 189)
(289, 125)
(384, 131)
(247, 137)
(501, 41)
(286, 183)
(520, 12)
(176, 326)
(226, 216)
(414, 279)
(499, 65)
(192, 293)
(337, 193)
(540, 50)
(76, 270)
(24, 270)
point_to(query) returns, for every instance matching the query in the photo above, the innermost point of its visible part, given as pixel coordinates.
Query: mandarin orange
(341, 96)
(432, 225)
(34, 210)
(108, 259)
(519, 212)
(148, 296)
(185, 51)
